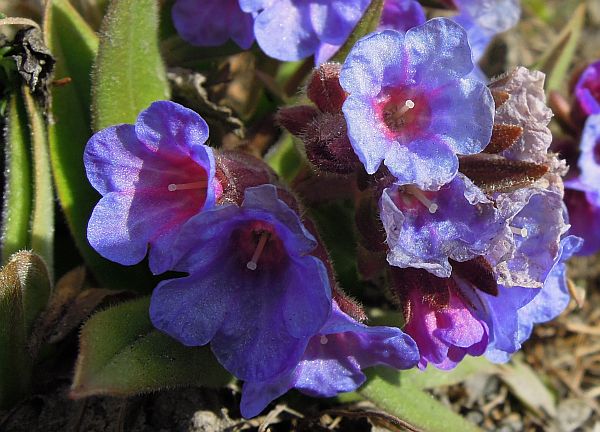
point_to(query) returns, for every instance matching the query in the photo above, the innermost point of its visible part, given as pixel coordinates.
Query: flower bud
(324, 88)
(297, 119)
(237, 171)
(327, 145)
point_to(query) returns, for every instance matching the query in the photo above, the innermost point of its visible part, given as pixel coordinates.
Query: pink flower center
(405, 113)
(258, 246)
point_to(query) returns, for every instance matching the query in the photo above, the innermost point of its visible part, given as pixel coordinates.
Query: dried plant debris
(189, 89)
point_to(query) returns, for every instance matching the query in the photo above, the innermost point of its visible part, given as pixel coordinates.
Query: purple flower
(213, 22)
(438, 318)
(333, 360)
(401, 15)
(295, 29)
(582, 195)
(153, 177)
(253, 290)
(589, 160)
(587, 91)
(410, 106)
(515, 310)
(425, 229)
(584, 214)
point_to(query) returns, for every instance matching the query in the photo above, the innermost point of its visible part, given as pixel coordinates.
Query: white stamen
(251, 265)
(519, 231)
(418, 194)
(186, 186)
(408, 105)
(324, 340)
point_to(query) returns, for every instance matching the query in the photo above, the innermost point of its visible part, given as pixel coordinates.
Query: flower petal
(438, 52)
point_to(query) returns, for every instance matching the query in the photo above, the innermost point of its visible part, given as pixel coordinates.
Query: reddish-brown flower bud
(324, 88)
(237, 171)
(327, 145)
(297, 119)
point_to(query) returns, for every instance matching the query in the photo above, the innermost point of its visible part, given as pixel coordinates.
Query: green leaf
(433, 378)
(42, 214)
(557, 60)
(17, 189)
(121, 354)
(129, 73)
(74, 45)
(367, 24)
(388, 390)
(24, 292)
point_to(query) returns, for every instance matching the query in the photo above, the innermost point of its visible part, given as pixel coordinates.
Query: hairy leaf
(129, 73)
(122, 354)
(389, 391)
(17, 189)
(42, 214)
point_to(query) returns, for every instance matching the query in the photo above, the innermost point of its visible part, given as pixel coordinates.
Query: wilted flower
(525, 108)
(516, 310)
(333, 361)
(253, 290)
(213, 22)
(153, 177)
(426, 228)
(411, 107)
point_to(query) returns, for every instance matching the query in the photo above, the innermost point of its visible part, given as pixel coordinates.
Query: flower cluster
(459, 203)
(296, 29)
(258, 284)
(467, 194)
(581, 149)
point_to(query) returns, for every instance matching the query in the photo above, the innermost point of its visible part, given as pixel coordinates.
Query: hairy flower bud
(237, 171)
(297, 119)
(327, 145)
(324, 88)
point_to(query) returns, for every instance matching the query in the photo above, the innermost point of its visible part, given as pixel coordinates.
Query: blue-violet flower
(153, 177)
(333, 360)
(213, 22)
(253, 290)
(410, 106)
(426, 228)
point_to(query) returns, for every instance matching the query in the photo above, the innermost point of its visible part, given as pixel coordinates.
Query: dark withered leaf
(34, 62)
(503, 137)
(69, 305)
(493, 173)
(188, 89)
(478, 272)
(500, 97)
